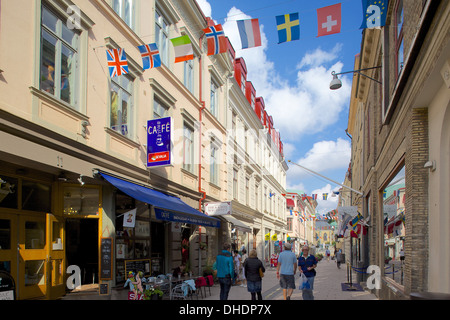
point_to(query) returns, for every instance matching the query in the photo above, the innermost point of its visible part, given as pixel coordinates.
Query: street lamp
(336, 83)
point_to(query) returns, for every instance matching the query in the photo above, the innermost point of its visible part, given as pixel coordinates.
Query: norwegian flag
(216, 40)
(150, 56)
(117, 62)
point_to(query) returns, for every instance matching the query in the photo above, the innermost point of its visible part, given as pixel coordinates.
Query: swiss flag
(329, 20)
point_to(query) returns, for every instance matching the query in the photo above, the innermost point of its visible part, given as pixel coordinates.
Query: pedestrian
(327, 252)
(306, 265)
(242, 276)
(252, 265)
(225, 270)
(286, 269)
(237, 266)
(402, 255)
(339, 258)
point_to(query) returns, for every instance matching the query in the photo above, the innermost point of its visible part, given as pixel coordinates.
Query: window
(214, 167)
(189, 75)
(124, 8)
(59, 58)
(159, 110)
(399, 49)
(214, 102)
(233, 125)
(121, 104)
(235, 184)
(162, 37)
(289, 224)
(243, 82)
(188, 145)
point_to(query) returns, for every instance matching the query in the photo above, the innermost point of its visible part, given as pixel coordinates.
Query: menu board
(137, 265)
(106, 245)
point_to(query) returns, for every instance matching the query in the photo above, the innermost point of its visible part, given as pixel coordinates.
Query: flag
(329, 20)
(183, 48)
(215, 37)
(117, 62)
(355, 220)
(288, 26)
(314, 196)
(129, 218)
(249, 32)
(150, 56)
(374, 13)
(325, 196)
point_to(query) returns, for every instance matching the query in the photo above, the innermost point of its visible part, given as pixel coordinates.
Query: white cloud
(325, 206)
(327, 155)
(322, 157)
(206, 7)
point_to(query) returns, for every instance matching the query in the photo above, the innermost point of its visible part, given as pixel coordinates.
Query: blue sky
(293, 78)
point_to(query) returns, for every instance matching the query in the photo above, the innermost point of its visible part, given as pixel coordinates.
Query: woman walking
(251, 269)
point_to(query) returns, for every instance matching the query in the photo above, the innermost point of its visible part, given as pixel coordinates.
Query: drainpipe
(200, 157)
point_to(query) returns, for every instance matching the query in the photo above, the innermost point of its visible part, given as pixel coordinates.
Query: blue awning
(167, 207)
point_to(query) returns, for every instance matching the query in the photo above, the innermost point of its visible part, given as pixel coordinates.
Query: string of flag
(288, 28)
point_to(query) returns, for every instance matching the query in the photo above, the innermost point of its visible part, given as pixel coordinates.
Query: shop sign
(218, 208)
(159, 141)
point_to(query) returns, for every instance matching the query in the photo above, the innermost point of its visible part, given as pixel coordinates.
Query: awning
(290, 203)
(167, 207)
(237, 224)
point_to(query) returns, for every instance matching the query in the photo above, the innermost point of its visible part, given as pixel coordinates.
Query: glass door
(32, 256)
(8, 244)
(56, 257)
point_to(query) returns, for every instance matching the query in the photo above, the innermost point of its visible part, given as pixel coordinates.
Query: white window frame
(55, 74)
(189, 75)
(188, 147)
(162, 36)
(126, 14)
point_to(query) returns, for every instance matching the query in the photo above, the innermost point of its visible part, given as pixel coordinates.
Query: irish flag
(183, 48)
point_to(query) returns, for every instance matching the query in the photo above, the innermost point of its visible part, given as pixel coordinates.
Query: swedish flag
(374, 13)
(288, 26)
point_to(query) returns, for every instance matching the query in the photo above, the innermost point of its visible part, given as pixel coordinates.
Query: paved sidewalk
(327, 286)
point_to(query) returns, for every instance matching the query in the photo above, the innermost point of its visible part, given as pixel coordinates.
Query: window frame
(399, 37)
(162, 26)
(122, 13)
(129, 91)
(188, 151)
(75, 47)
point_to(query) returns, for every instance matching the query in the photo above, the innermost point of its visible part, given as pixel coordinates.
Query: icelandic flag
(117, 62)
(150, 56)
(215, 37)
(288, 26)
(374, 13)
(249, 32)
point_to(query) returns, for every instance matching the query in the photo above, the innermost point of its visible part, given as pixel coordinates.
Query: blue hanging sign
(159, 142)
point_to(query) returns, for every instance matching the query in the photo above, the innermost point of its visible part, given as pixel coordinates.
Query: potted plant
(387, 259)
(153, 293)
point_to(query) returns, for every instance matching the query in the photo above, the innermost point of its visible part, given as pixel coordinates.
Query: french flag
(249, 32)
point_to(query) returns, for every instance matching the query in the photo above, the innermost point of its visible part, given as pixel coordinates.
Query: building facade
(402, 148)
(74, 145)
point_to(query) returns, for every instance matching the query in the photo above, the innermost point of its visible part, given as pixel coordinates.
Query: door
(32, 259)
(8, 244)
(56, 257)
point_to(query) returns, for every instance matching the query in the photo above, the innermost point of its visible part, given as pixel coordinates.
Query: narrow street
(327, 286)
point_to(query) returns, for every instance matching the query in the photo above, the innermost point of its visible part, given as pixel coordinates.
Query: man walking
(286, 268)
(225, 270)
(306, 265)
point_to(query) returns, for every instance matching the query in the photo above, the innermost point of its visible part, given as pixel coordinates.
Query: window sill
(193, 175)
(62, 105)
(121, 137)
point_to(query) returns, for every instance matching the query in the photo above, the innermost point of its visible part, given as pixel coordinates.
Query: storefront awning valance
(237, 224)
(167, 207)
(290, 203)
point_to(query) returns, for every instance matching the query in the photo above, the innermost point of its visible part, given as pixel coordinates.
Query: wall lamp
(336, 83)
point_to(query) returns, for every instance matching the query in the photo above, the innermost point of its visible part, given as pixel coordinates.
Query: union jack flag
(150, 56)
(117, 62)
(216, 40)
